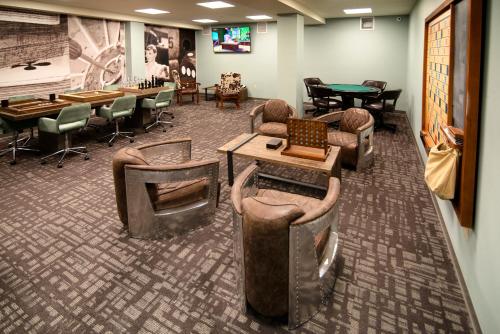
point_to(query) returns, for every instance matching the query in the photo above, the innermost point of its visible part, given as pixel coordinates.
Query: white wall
(477, 250)
(258, 68)
(339, 52)
(336, 52)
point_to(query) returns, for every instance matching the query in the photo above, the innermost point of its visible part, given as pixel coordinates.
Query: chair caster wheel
(110, 144)
(13, 162)
(171, 125)
(164, 130)
(86, 157)
(146, 130)
(173, 117)
(59, 165)
(43, 162)
(132, 140)
(84, 151)
(9, 146)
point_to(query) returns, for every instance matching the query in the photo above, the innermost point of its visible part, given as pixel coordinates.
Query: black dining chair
(323, 100)
(386, 102)
(373, 83)
(311, 82)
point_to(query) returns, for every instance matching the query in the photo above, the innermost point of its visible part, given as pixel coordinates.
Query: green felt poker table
(349, 92)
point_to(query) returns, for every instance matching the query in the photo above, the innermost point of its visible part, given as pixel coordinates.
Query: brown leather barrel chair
(275, 114)
(355, 136)
(285, 248)
(161, 192)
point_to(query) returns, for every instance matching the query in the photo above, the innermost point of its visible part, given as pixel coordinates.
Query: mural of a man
(153, 68)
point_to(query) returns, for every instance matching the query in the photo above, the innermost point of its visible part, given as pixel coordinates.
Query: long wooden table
(253, 146)
(22, 119)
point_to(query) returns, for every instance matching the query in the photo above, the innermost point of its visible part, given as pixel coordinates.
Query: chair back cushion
(353, 118)
(276, 111)
(125, 156)
(165, 96)
(124, 103)
(265, 242)
(73, 117)
(375, 83)
(230, 83)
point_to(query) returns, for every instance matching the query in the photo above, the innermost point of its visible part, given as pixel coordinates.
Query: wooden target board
(438, 109)
(307, 139)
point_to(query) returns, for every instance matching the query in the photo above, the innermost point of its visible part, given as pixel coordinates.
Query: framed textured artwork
(451, 90)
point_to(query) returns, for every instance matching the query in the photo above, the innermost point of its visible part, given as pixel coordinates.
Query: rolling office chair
(122, 107)
(70, 118)
(161, 101)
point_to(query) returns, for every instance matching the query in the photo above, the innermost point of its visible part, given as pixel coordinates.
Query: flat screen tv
(231, 39)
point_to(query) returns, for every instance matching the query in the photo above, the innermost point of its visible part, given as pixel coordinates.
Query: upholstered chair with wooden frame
(185, 88)
(273, 116)
(355, 136)
(161, 192)
(285, 248)
(384, 103)
(322, 99)
(228, 89)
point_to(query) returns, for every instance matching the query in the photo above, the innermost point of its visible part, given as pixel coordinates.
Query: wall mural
(34, 58)
(168, 49)
(39, 58)
(96, 51)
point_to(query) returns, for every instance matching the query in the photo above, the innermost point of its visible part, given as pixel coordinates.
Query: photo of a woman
(153, 68)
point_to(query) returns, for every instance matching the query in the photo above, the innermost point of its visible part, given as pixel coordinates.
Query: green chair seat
(122, 107)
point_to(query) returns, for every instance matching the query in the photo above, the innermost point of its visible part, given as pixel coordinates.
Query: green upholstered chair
(17, 144)
(122, 107)
(159, 105)
(110, 87)
(69, 119)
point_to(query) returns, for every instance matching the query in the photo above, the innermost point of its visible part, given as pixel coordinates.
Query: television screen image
(231, 39)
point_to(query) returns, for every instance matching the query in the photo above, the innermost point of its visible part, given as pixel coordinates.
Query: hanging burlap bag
(441, 170)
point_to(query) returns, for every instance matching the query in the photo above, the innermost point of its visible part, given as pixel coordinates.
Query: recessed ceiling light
(259, 17)
(358, 11)
(215, 4)
(205, 21)
(152, 11)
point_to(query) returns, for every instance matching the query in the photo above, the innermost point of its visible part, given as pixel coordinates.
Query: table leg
(206, 94)
(230, 171)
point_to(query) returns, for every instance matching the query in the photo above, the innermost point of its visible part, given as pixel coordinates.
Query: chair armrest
(46, 124)
(293, 110)
(244, 186)
(364, 129)
(326, 204)
(331, 117)
(253, 116)
(168, 173)
(180, 145)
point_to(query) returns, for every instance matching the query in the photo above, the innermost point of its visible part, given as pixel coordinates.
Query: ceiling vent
(262, 28)
(367, 23)
(206, 30)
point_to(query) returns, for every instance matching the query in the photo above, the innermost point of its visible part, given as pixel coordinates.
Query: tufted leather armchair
(274, 114)
(185, 88)
(228, 89)
(355, 136)
(285, 246)
(166, 197)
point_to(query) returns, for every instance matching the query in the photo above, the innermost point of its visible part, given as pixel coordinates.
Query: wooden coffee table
(253, 146)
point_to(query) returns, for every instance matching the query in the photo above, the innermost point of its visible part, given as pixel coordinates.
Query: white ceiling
(182, 12)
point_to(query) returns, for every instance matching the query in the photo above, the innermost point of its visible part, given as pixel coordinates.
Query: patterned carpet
(67, 266)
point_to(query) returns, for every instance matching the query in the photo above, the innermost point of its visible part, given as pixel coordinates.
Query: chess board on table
(92, 95)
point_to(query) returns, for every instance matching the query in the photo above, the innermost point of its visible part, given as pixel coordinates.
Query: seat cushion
(273, 129)
(125, 156)
(173, 195)
(265, 246)
(353, 118)
(349, 146)
(378, 106)
(275, 111)
(188, 91)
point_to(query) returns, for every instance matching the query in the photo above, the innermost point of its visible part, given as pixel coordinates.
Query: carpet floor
(68, 266)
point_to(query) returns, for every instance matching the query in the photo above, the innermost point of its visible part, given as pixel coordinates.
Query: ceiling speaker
(206, 30)
(262, 28)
